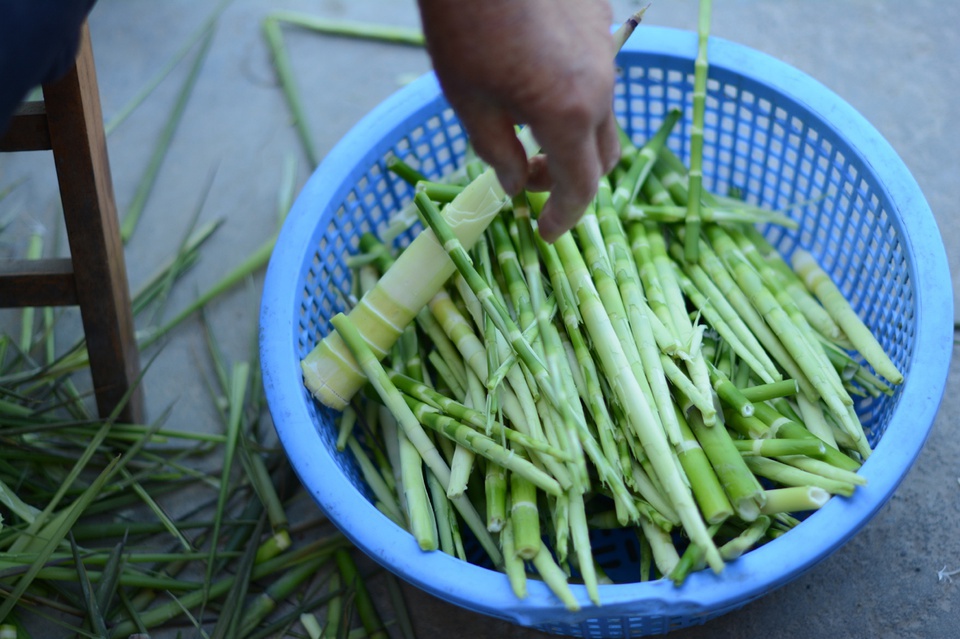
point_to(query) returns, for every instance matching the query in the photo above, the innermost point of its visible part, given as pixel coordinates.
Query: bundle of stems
(606, 380)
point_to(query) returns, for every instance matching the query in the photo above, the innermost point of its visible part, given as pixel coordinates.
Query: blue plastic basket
(771, 131)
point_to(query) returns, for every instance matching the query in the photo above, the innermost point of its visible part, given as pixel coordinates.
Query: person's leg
(38, 42)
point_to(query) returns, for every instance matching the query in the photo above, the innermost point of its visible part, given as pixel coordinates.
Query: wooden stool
(69, 122)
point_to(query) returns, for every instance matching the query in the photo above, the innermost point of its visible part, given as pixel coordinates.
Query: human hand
(544, 63)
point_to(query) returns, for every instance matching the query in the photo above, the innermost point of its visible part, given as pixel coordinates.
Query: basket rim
(704, 593)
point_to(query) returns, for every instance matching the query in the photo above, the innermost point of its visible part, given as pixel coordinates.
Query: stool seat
(69, 122)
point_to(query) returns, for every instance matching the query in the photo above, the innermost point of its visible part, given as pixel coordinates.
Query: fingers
(608, 143)
(569, 197)
(608, 146)
(494, 139)
(575, 165)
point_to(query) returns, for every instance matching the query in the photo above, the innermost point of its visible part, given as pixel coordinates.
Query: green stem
(786, 428)
(794, 499)
(482, 445)
(780, 447)
(745, 492)
(706, 486)
(524, 515)
(555, 578)
(791, 476)
(692, 223)
(771, 390)
(411, 427)
(362, 599)
(513, 563)
(839, 308)
(629, 186)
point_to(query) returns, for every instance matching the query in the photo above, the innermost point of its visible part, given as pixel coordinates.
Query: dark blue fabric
(38, 43)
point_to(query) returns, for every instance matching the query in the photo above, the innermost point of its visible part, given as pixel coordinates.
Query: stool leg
(90, 214)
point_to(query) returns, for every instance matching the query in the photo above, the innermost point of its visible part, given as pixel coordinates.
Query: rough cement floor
(896, 62)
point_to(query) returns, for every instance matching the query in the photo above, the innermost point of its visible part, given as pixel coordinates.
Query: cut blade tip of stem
(637, 17)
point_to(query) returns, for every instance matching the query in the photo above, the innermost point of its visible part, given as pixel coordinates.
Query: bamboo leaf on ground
(56, 535)
(229, 622)
(352, 28)
(118, 118)
(94, 614)
(238, 389)
(149, 177)
(273, 35)
(256, 261)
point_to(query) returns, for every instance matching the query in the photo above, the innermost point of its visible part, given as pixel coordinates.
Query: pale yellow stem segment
(329, 371)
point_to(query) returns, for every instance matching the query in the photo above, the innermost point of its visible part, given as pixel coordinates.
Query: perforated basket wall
(771, 132)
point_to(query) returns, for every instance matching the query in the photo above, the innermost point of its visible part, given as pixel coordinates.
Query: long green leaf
(281, 60)
(149, 178)
(288, 188)
(138, 99)
(256, 261)
(238, 387)
(34, 252)
(94, 614)
(158, 510)
(175, 267)
(72, 514)
(166, 285)
(230, 619)
(352, 28)
(162, 613)
(30, 539)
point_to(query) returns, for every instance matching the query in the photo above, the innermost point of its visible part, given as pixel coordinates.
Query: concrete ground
(896, 62)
